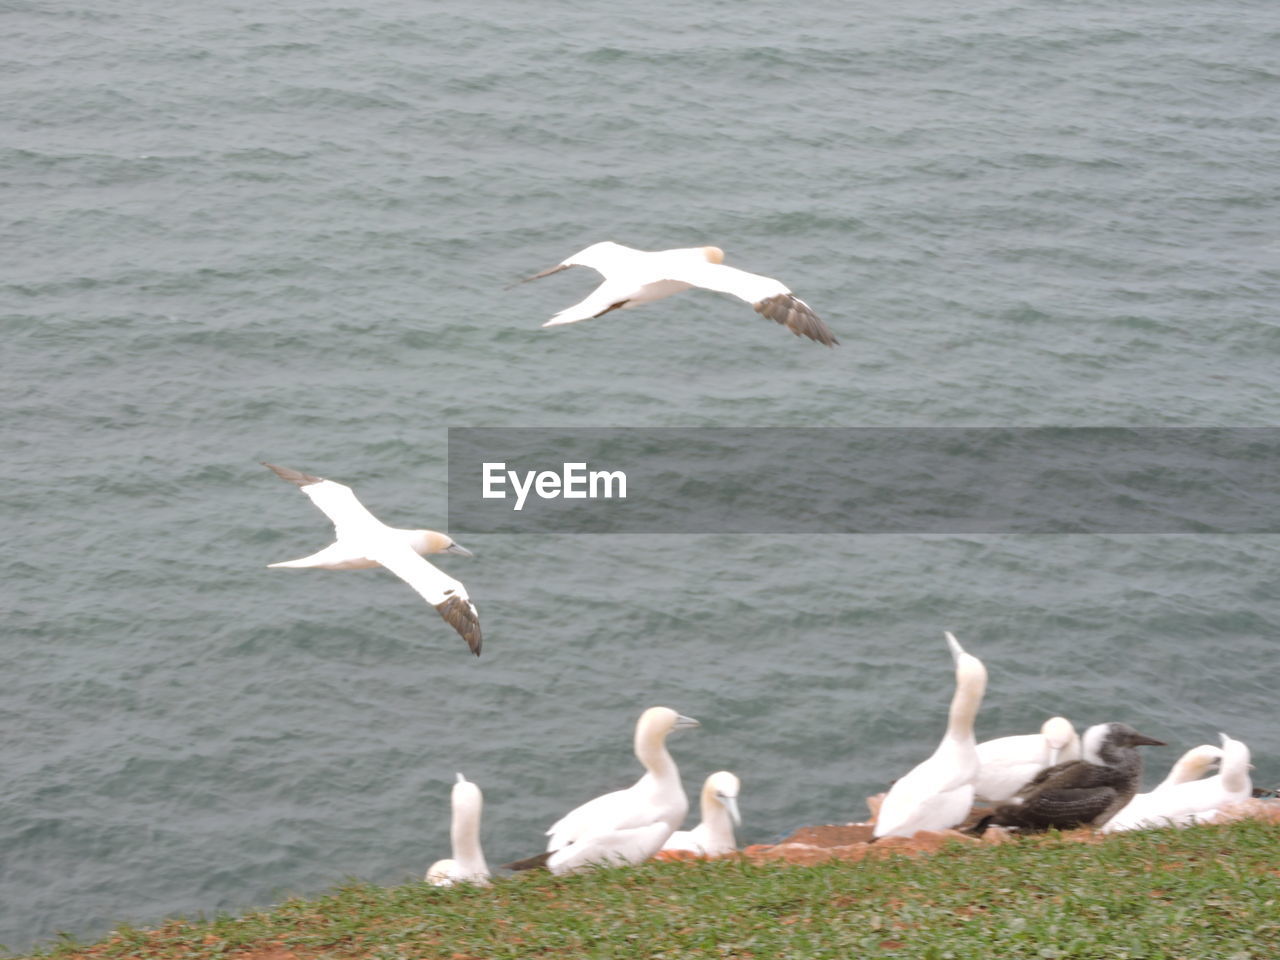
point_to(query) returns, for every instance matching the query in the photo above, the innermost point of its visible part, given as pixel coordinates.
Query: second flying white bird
(633, 277)
(363, 541)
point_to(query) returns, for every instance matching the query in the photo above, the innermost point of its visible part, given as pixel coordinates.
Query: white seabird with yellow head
(634, 277)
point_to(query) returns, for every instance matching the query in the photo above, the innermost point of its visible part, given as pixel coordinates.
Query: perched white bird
(1195, 801)
(1192, 765)
(1007, 763)
(626, 826)
(713, 837)
(364, 541)
(467, 865)
(938, 793)
(633, 277)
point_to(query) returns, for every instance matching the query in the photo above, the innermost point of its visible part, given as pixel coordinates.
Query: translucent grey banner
(864, 480)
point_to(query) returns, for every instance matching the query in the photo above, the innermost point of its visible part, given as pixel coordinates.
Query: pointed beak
(683, 722)
(731, 804)
(459, 550)
(1140, 740)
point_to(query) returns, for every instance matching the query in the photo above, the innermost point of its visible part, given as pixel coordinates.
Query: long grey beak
(459, 550)
(1142, 740)
(683, 722)
(731, 804)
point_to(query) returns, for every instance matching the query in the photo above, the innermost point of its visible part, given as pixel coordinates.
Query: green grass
(1199, 894)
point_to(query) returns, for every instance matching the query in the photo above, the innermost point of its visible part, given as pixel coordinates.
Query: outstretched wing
(601, 257)
(335, 500)
(446, 594)
(769, 297)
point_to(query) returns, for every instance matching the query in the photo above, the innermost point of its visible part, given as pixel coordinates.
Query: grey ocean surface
(238, 233)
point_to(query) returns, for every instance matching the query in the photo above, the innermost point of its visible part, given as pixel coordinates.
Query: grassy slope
(1203, 893)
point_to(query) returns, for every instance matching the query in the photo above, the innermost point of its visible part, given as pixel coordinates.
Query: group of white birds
(623, 827)
(1051, 778)
(631, 278)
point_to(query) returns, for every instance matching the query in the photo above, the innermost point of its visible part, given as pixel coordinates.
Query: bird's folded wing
(446, 594)
(615, 847)
(770, 298)
(1076, 803)
(605, 812)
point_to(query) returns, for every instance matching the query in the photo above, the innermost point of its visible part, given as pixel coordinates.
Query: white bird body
(1008, 763)
(627, 826)
(938, 793)
(713, 837)
(364, 541)
(1183, 802)
(468, 863)
(634, 277)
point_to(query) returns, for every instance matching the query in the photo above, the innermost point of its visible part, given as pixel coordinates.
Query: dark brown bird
(1079, 793)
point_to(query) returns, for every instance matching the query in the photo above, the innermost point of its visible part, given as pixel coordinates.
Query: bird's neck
(652, 753)
(715, 817)
(964, 709)
(1235, 776)
(465, 836)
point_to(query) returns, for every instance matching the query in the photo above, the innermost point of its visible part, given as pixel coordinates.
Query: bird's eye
(448, 593)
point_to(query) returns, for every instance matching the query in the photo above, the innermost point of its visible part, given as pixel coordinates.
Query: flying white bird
(626, 826)
(364, 541)
(467, 865)
(938, 793)
(713, 837)
(633, 277)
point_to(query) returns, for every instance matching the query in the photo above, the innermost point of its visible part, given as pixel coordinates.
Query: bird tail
(529, 863)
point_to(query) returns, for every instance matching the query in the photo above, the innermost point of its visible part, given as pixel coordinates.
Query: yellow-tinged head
(713, 254)
(429, 541)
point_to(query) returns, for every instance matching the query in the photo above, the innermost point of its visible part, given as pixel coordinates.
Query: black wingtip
(461, 615)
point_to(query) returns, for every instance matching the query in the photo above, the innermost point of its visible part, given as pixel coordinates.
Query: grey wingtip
(293, 476)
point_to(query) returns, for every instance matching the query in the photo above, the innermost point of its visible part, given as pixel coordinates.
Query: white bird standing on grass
(1007, 763)
(364, 541)
(633, 277)
(626, 826)
(713, 837)
(938, 793)
(467, 865)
